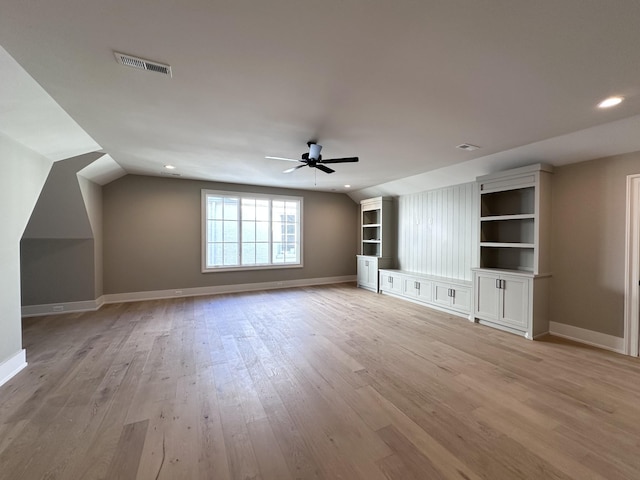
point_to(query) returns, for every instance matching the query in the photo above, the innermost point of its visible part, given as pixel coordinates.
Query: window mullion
(239, 227)
(270, 237)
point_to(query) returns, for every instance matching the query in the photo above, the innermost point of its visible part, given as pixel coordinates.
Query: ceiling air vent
(468, 147)
(142, 64)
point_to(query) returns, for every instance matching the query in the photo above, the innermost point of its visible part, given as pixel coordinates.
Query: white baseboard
(92, 305)
(12, 366)
(589, 337)
(64, 307)
(214, 290)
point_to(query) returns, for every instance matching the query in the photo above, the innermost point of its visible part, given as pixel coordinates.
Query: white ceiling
(397, 83)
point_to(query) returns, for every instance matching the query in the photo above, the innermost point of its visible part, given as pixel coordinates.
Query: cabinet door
(417, 289)
(367, 274)
(461, 299)
(514, 300)
(487, 296)
(390, 282)
(442, 294)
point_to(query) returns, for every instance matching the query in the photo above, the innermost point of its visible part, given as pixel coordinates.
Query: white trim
(10, 367)
(64, 307)
(93, 305)
(632, 267)
(204, 195)
(589, 337)
(214, 290)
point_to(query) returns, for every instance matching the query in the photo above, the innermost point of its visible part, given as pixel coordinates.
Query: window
(249, 231)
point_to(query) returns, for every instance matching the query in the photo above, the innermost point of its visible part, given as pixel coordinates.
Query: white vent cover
(468, 147)
(142, 64)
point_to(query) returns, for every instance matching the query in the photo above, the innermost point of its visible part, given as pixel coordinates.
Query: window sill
(251, 267)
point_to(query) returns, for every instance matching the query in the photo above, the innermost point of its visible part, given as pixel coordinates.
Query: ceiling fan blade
(282, 158)
(340, 160)
(289, 170)
(319, 166)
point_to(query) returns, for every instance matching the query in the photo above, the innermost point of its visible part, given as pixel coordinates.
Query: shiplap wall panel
(437, 232)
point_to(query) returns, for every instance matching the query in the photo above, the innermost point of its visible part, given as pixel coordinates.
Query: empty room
(347, 239)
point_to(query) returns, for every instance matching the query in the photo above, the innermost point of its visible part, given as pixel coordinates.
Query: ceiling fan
(313, 159)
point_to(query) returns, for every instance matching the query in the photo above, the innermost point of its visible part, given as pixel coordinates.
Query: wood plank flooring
(328, 382)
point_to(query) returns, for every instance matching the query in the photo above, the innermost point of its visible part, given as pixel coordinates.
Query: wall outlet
(58, 308)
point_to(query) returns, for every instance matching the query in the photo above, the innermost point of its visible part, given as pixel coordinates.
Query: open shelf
(507, 257)
(515, 230)
(518, 201)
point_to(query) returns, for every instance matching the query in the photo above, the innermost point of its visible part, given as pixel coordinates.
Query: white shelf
(496, 218)
(506, 245)
(371, 241)
(371, 225)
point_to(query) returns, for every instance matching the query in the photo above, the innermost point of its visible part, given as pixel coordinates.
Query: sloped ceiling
(399, 84)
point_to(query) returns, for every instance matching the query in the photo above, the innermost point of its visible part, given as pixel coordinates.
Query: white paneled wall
(437, 231)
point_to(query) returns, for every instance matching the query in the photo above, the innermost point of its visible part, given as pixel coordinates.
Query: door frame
(632, 268)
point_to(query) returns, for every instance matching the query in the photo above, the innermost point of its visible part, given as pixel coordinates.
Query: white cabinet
(511, 285)
(367, 272)
(390, 282)
(503, 299)
(447, 294)
(376, 240)
(418, 289)
(452, 296)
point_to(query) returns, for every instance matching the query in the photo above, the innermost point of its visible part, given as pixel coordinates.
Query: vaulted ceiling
(397, 83)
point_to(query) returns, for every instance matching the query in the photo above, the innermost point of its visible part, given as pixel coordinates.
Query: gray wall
(588, 243)
(23, 175)
(92, 195)
(152, 236)
(60, 260)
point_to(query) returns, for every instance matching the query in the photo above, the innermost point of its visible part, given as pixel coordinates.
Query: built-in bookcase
(508, 229)
(511, 285)
(377, 240)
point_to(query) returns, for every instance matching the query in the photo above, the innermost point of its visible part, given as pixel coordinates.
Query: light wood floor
(325, 382)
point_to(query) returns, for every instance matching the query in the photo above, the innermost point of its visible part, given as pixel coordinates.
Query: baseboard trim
(93, 305)
(588, 337)
(221, 289)
(63, 307)
(12, 366)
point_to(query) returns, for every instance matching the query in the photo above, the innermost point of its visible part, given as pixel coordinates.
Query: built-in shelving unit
(377, 240)
(511, 283)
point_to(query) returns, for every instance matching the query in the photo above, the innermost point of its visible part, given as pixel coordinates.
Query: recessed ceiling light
(610, 102)
(169, 167)
(347, 186)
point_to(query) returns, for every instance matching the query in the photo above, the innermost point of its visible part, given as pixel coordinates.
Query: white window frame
(249, 195)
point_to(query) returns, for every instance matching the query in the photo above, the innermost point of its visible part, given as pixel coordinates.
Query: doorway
(632, 268)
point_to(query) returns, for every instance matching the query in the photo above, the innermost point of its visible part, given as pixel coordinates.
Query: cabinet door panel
(367, 274)
(515, 302)
(425, 290)
(390, 283)
(441, 294)
(420, 290)
(461, 299)
(487, 303)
